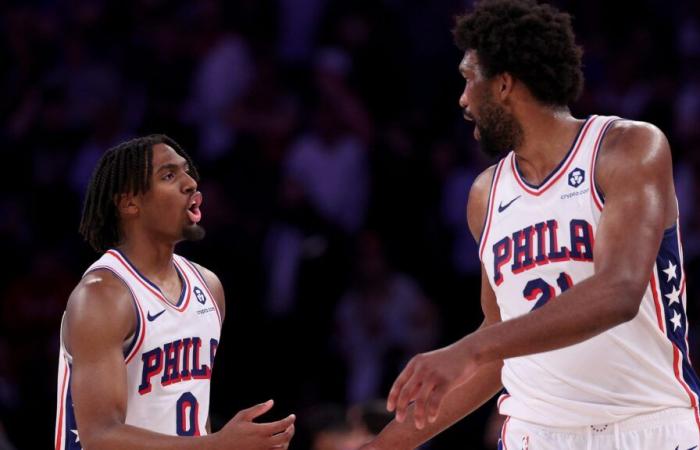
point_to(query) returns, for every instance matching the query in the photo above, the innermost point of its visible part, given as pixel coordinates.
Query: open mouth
(193, 211)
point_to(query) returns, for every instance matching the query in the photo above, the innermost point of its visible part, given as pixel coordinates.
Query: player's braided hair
(533, 42)
(126, 168)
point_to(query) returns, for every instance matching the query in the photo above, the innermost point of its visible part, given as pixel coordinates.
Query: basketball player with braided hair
(141, 329)
(583, 288)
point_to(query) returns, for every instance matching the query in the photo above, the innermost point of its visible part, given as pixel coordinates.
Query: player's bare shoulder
(636, 155)
(635, 144)
(478, 201)
(100, 304)
(214, 284)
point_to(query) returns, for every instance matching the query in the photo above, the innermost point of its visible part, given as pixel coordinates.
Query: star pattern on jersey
(77, 437)
(676, 320)
(671, 271)
(673, 296)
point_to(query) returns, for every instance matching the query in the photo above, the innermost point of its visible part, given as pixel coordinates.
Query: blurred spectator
(330, 164)
(382, 321)
(370, 416)
(221, 78)
(4, 442)
(312, 120)
(329, 429)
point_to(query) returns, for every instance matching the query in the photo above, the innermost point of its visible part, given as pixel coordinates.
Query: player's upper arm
(634, 173)
(215, 286)
(100, 316)
(476, 214)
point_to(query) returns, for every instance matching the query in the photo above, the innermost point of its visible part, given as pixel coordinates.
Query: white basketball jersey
(537, 242)
(169, 361)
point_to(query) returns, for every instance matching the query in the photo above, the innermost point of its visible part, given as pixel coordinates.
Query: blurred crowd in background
(335, 170)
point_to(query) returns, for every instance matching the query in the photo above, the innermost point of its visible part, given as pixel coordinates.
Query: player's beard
(194, 232)
(500, 132)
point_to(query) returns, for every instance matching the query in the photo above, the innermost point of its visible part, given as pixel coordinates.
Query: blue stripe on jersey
(138, 325)
(152, 284)
(71, 437)
(669, 265)
(596, 151)
(561, 163)
(488, 201)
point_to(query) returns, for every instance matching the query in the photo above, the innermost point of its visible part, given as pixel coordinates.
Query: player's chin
(193, 232)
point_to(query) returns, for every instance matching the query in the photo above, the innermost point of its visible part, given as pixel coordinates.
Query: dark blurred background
(336, 167)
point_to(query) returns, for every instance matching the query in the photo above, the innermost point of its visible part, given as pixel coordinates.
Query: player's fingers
(397, 387)
(284, 437)
(271, 428)
(419, 405)
(408, 393)
(254, 411)
(435, 401)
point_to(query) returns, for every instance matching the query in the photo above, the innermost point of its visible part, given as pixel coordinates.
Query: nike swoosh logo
(502, 207)
(691, 448)
(152, 318)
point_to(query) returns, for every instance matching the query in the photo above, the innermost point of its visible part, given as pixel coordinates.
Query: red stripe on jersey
(206, 287)
(136, 348)
(146, 285)
(539, 191)
(489, 210)
(503, 433)
(676, 350)
(188, 284)
(657, 304)
(501, 399)
(596, 147)
(141, 332)
(59, 428)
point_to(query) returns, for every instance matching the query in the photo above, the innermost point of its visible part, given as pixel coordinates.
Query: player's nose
(190, 184)
(463, 102)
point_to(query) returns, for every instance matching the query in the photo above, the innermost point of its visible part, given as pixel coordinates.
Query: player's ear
(505, 84)
(127, 204)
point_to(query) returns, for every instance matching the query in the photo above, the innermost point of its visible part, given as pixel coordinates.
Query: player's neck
(153, 259)
(547, 138)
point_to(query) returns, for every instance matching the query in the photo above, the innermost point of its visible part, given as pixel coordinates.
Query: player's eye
(168, 176)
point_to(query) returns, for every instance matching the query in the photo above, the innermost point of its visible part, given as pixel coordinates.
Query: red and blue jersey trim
(67, 428)
(560, 170)
(668, 289)
(203, 282)
(140, 332)
(489, 208)
(598, 197)
(185, 293)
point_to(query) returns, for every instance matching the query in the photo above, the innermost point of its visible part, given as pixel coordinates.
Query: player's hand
(369, 446)
(242, 433)
(426, 379)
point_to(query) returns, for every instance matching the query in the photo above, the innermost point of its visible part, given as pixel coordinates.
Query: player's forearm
(127, 437)
(458, 403)
(586, 310)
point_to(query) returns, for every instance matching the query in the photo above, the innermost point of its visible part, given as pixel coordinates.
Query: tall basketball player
(583, 288)
(140, 331)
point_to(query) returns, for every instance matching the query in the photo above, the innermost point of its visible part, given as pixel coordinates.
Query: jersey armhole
(596, 192)
(489, 208)
(136, 339)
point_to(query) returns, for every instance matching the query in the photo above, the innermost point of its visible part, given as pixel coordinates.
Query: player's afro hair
(533, 42)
